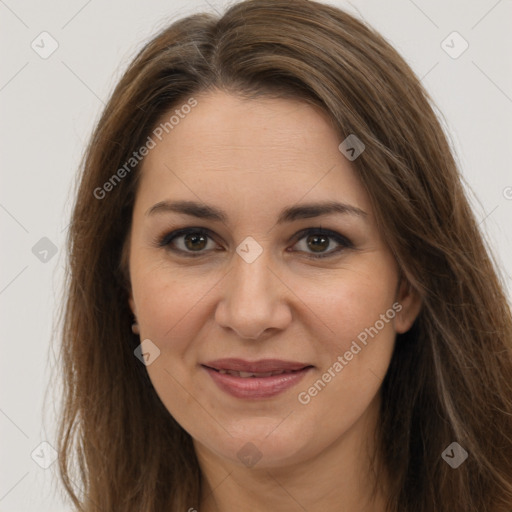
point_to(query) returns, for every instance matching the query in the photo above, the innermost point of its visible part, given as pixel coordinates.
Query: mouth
(263, 366)
(257, 380)
(246, 375)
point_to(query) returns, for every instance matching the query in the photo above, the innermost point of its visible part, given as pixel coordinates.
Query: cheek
(355, 302)
(357, 348)
(168, 305)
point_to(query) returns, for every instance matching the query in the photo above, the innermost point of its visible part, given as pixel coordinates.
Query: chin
(261, 443)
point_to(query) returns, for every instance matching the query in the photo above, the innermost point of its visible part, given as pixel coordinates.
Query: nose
(254, 299)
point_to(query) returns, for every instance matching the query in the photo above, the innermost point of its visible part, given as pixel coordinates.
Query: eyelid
(323, 231)
(344, 242)
(167, 238)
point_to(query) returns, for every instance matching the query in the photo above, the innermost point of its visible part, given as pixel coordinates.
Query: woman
(278, 294)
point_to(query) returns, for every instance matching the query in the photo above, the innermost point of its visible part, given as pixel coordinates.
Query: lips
(255, 380)
(262, 368)
(246, 375)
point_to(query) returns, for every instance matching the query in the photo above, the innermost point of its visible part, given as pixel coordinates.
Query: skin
(253, 158)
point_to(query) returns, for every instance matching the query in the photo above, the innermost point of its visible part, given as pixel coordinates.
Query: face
(254, 277)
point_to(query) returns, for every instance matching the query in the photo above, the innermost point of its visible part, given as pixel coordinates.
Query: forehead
(270, 150)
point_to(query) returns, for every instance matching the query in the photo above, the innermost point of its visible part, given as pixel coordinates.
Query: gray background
(49, 107)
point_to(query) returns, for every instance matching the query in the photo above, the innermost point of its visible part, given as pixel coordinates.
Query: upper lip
(261, 366)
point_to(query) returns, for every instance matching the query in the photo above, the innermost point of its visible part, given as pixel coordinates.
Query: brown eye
(189, 242)
(319, 240)
(318, 243)
(195, 241)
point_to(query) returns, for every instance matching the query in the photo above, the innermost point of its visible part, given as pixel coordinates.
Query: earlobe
(410, 301)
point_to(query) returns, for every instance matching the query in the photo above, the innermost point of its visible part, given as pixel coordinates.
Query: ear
(125, 270)
(411, 302)
(131, 302)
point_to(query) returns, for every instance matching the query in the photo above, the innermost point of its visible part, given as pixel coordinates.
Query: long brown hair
(450, 378)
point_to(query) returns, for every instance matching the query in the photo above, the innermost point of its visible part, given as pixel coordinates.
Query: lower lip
(256, 387)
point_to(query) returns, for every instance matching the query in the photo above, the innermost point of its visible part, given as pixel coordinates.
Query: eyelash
(345, 243)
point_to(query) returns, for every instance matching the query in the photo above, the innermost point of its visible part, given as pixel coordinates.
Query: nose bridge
(251, 278)
(251, 301)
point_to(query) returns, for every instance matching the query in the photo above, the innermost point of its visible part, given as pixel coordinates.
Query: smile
(255, 380)
(245, 375)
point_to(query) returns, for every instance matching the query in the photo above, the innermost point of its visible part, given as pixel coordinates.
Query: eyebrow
(290, 214)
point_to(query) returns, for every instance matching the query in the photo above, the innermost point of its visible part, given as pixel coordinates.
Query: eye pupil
(324, 242)
(193, 238)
